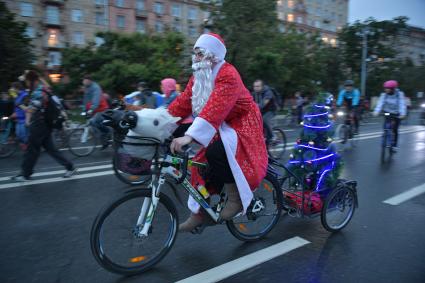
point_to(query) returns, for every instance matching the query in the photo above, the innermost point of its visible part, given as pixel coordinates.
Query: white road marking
(110, 172)
(400, 198)
(56, 179)
(83, 169)
(243, 263)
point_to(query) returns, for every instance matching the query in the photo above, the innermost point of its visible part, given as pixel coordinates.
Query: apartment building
(411, 44)
(56, 24)
(325, 17)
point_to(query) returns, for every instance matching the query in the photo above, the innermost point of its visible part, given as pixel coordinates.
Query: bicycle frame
(147, 212)
(387, 136)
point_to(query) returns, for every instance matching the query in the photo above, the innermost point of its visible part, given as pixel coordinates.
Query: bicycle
(335, 205)
(82, 141)
(140, 212)
(276, 147)
(344, 132)
(387, 136)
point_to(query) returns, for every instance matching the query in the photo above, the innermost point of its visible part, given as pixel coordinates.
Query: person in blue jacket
(350, 97)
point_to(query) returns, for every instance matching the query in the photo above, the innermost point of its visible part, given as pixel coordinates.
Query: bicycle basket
(134, 155)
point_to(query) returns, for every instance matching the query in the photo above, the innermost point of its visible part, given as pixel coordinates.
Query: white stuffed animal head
(155, 123)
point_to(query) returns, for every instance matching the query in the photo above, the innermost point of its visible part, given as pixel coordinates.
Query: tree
(247, 32)
(123, 60)
(382, 42)
(15, 47)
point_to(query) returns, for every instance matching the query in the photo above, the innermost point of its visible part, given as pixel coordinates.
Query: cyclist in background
(392, 101)
(350, 96)
(94, 104)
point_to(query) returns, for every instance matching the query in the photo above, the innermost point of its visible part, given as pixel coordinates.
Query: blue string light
(312, 147)
(312, 160)
(315, 115)
(318, 127)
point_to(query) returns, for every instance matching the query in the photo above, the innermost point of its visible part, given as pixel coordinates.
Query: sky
(387, 10)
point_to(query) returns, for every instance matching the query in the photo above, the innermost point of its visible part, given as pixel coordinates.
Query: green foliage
(15, 48)
(315, 154)
(123, 60)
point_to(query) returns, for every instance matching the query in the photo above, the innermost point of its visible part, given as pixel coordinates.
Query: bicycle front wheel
(82, 141)
(262, 215)
(8, 148)
(116, 240)
(277, 146)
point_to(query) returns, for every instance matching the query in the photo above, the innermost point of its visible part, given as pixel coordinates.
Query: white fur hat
(213, 43)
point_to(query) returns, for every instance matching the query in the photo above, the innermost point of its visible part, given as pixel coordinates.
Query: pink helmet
(391, 84)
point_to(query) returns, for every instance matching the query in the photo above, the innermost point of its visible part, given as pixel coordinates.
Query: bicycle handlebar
(186, 150)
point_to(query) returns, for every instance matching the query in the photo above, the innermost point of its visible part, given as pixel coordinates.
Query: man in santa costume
(227, 124)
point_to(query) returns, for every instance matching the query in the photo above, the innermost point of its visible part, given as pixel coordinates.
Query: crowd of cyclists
(22, 105)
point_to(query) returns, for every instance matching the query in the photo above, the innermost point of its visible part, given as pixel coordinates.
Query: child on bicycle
(392, 101)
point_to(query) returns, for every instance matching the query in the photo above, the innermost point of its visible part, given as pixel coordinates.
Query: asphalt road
(45, 226)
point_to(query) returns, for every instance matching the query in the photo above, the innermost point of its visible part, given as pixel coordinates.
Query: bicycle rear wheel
(277, 146)
(115, 238)
(262, 215)
(82, 141)
(338, 209)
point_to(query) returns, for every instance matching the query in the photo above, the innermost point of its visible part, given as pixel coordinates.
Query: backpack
(276, 100)
(53, 112)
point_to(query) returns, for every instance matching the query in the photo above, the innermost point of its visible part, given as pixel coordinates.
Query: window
(159, 26)
(140, 26)
(177, 27)
(52, 15)
(317, 23)
(333, 42)
(140, 5)
(29, 32)
(55, 58)
(158, 8)
(290, 18)
(53, 37)
(300, 20)
(280, 15)
(78, 37)
(291, 4)
(176, 10)
(99, 41)
(325, 39)
(100, 19)
(26, 9)
(193, 32)
(121, 21)
(119, 3)
(100, 2)
(193, 14)
(77, 16)
(282, 28)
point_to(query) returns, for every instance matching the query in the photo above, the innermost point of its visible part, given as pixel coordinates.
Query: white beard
(203, 85)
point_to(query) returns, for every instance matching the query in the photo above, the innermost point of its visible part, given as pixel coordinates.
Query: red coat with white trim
(229, 102)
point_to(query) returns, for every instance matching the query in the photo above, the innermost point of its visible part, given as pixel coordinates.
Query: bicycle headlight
(423, 105)
(340, 113)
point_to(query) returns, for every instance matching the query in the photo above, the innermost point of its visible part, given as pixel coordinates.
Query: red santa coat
(232, 115)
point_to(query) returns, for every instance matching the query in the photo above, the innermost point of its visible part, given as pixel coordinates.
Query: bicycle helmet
(391, 84)
(348, 83)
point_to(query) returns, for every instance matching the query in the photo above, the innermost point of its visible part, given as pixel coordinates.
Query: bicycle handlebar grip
(186, 149)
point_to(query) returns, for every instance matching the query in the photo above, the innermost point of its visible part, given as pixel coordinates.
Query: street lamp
(364, 33)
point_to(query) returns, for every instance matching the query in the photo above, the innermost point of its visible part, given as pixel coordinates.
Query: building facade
(325, 17)
(56, 24)
(412, 44)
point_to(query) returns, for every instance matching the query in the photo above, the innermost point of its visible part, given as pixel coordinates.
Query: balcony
(141, 13)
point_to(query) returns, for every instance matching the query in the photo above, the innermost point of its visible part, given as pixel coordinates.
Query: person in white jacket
(392, 101)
